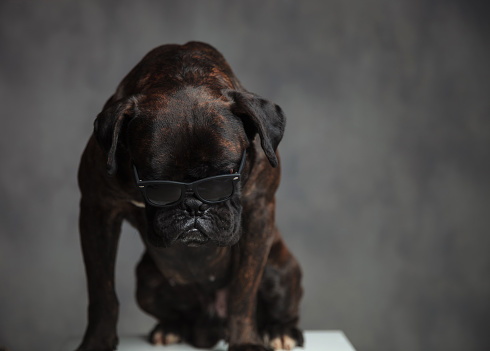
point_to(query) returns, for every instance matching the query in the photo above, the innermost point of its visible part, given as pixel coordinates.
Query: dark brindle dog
(175, 152)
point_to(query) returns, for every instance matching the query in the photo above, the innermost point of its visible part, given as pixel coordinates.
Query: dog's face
(185, 142)
(185, 135)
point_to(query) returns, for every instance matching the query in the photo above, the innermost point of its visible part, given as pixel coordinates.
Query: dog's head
(185, 135)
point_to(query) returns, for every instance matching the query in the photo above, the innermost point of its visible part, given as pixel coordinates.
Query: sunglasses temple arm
(243, 161)
(138, 180)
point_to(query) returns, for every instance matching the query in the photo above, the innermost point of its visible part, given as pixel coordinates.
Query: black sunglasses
(209, 190)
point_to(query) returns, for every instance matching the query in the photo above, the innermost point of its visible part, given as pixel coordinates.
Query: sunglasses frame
(188, 188)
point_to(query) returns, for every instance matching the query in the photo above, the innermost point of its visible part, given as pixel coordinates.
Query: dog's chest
(208, 267)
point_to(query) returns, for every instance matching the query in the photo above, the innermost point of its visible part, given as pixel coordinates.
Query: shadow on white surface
(332, 340)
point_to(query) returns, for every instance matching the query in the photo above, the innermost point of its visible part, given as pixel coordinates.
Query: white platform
(332, 340)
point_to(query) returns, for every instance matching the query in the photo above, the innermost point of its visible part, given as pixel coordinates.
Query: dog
(189, 158)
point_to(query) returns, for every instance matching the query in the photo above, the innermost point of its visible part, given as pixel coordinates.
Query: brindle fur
(245, 284)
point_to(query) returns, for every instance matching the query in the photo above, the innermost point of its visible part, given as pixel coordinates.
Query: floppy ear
(108, 126)
(259, 116)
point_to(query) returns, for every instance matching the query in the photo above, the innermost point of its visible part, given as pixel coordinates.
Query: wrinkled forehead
(187, 129)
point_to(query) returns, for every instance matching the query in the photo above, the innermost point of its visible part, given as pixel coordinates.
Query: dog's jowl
(189, 158)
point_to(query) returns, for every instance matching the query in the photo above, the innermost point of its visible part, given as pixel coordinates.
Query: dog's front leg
(100, 227)
(254, 249)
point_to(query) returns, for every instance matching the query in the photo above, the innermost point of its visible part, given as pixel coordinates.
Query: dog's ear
(108, 127)
(259, 116)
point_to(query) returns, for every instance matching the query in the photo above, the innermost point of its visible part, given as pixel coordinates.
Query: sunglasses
(209, 190)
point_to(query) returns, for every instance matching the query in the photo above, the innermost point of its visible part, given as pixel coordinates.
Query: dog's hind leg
(278, 299)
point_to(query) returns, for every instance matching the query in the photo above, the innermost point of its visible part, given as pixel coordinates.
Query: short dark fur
(181, 115)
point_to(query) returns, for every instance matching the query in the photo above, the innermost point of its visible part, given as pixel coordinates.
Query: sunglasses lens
(163, 194)
(215, 189)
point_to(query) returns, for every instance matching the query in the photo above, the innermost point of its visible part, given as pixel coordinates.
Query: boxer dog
(188, 157)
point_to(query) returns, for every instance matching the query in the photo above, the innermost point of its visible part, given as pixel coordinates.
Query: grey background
(385, 194)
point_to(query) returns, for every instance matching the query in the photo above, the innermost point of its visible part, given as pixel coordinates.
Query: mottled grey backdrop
(385, 197)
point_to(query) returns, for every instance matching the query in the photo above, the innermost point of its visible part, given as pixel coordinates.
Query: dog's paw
(284, 339)
(283, 342)
(160, 336)
(248, 347)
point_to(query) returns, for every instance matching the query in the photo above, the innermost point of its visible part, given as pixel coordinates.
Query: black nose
(194, 206)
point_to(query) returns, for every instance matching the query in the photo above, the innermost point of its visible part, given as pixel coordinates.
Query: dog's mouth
(178, 228)
(193, 238)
